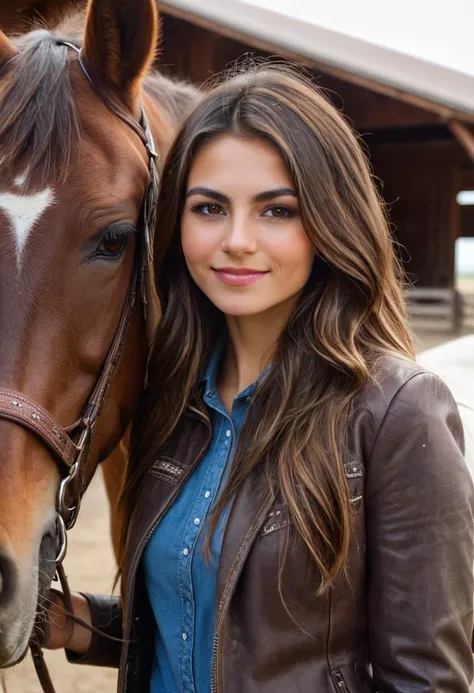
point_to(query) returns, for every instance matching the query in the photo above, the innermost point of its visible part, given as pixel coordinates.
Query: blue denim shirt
(180, 579)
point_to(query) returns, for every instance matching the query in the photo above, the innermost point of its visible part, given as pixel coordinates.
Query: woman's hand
(62, 632)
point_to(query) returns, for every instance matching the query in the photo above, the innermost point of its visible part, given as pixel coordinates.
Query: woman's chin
(242, 310)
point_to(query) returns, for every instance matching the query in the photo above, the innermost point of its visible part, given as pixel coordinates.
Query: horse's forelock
(39, 127)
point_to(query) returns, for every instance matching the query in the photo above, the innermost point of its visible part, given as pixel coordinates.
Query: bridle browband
(71, 446)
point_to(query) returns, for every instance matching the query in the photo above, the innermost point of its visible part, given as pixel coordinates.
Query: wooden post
(464, 135)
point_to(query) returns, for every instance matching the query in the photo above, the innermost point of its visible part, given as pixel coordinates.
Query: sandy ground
(90, 566)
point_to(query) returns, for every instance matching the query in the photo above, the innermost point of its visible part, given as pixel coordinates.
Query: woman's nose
(240, 237)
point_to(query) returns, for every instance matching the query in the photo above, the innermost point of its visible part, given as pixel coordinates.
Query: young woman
(298, 512)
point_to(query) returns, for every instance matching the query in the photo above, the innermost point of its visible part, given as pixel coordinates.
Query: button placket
(226, 429)
(189, 542)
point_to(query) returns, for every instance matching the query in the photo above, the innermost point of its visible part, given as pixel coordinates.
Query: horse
(78, 134)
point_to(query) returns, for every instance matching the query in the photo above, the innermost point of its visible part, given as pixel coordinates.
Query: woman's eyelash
(288, 211)
(202, 205)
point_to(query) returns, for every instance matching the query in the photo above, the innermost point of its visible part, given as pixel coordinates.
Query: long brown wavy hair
(350, 312)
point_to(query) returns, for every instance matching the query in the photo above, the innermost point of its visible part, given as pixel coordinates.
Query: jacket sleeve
(106, 616)
(419, 518)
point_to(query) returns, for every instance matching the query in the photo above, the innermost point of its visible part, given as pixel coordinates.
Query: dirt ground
(90, 566)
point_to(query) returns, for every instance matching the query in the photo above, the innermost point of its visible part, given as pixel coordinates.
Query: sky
(434, 30)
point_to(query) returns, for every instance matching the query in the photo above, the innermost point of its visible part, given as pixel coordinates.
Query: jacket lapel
(161, 486)
(247, 516)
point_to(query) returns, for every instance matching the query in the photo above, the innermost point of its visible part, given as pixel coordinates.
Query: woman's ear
(120, 42)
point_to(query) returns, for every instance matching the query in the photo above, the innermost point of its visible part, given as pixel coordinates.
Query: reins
(71, 446)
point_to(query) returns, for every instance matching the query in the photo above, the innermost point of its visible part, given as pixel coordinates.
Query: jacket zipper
(215, 647)
(215, 643)
(339, 682)
(220, 610)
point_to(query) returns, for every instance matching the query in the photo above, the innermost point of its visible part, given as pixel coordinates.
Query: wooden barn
(415, 114)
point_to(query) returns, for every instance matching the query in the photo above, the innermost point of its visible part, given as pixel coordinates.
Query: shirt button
(249, 399)
(207, 494)
(185, 551)
(228, 433)
(196, 521)
(185, 636)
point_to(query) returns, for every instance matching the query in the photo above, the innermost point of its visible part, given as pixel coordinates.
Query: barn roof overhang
(272, 26)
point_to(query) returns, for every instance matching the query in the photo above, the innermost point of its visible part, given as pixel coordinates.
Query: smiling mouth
(238, 276)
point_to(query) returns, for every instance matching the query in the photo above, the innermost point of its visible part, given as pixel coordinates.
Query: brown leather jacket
(401, 619)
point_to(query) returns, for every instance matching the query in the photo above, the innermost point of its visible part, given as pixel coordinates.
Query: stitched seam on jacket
(162, 475)
(235, 564)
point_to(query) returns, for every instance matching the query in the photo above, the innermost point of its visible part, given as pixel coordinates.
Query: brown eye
(279, 212)
(208, 209)
(113, 244)
(213, 209)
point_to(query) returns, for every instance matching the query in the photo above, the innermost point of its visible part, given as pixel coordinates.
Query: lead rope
(41, 668)
(39, 661)
(66, 597)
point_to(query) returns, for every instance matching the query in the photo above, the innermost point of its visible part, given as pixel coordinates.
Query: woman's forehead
(242, 163)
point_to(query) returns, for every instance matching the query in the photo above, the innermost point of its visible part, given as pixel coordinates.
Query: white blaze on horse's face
(23, 211)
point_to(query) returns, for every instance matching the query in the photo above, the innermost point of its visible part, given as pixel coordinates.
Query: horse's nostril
(7, 579)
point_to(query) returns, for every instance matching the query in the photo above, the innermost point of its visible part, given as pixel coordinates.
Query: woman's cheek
(197, 243)
(292, 249)
(192, 246)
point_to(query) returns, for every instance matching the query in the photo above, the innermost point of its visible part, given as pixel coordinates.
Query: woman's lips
(238, 277)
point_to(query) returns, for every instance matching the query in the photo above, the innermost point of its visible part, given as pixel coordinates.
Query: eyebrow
(260, 197)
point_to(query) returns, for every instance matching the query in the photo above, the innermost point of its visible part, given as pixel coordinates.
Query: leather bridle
(71, 446)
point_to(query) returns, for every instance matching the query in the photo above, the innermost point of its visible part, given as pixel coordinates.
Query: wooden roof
(296, 29)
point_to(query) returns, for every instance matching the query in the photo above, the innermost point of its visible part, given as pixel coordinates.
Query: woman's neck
(250, 349)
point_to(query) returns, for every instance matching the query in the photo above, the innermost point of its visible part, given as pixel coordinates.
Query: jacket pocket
(167, 469)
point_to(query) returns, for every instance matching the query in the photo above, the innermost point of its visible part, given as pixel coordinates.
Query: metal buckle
(62, 550)
(67, 514)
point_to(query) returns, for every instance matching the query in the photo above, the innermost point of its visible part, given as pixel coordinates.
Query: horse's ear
(120, 43)
(7, 49)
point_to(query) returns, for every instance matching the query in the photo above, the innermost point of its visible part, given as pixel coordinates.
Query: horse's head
(72, 181)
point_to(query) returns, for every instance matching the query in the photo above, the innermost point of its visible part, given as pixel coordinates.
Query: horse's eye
(113, 244)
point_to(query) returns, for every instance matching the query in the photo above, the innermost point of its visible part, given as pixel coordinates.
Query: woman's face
(241, 230)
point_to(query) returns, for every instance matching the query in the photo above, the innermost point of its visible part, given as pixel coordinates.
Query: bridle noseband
(71, 446)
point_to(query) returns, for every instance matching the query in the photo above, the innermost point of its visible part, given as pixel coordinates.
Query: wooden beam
(464, 136)
(445, 113)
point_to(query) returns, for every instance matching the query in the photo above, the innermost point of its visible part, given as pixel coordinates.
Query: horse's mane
(39, 113)
(175, 97)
